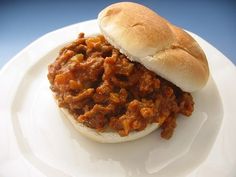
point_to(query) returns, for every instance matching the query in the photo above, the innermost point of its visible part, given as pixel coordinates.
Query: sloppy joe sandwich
(136, 76)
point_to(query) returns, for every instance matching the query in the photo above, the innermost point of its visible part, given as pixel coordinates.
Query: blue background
(21, 22)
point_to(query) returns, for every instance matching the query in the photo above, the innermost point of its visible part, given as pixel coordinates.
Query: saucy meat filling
(102, 89)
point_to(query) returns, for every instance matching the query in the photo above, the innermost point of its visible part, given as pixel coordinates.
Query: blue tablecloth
(21, 22)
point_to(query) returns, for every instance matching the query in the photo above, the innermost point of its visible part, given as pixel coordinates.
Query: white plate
(36, 141)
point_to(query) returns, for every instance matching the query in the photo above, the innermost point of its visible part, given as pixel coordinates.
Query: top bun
(145, 37)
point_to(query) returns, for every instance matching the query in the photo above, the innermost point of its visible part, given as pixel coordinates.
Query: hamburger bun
(107, 136)
(145, 37)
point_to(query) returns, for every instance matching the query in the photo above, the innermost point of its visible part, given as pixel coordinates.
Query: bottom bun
(108, 136)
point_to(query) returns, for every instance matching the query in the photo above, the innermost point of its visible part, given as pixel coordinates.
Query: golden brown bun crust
(145, 37)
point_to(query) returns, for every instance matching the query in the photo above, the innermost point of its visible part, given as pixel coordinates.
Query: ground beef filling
(101, 88)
